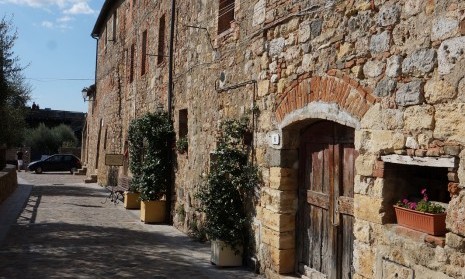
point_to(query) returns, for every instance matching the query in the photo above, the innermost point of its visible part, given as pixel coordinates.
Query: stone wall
(118, 100)
(392, 70)
(8, 182)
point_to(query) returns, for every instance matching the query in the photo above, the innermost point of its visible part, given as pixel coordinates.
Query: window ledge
(417, 235)
(225, 33)
(443, 162)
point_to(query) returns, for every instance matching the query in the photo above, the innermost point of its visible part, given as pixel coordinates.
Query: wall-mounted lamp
(88, 93)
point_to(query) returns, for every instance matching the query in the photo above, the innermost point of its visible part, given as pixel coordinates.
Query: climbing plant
(231, 178)
(149, 147)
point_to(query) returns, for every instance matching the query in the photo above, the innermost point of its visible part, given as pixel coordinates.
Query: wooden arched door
(326, 190)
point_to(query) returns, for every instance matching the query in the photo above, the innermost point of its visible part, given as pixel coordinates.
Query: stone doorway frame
(335, 97)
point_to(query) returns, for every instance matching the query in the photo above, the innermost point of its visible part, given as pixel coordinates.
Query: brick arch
(333, 92)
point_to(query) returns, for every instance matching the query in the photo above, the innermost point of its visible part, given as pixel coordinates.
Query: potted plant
(132, 195)
(223, 194)
(151, 137)
(423, 215)
(182, 145)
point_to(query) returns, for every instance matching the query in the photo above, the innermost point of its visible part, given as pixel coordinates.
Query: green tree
(47, 141)
(64, 136)
(14, 91)
(229, 184)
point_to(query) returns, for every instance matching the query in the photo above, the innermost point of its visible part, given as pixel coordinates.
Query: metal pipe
(170, 141)
(170, 58)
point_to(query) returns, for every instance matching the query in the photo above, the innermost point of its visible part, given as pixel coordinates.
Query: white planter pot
(223, 255)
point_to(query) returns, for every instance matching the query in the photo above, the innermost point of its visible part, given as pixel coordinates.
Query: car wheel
(38, 170)
(73, 170)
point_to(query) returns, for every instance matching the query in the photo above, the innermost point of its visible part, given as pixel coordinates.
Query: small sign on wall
(275, 139)
(114, 159)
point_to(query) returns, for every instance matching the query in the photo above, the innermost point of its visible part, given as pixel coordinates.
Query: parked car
(57, 162)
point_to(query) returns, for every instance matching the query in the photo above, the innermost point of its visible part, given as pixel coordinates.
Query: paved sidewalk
(66, 231)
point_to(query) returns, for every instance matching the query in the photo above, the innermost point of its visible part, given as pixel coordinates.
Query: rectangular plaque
(114, 159)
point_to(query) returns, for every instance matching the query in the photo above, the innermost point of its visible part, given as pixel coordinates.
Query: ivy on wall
(231, 178)
(149, 147)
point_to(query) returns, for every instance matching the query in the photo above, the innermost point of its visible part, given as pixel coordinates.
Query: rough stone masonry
(390, 70)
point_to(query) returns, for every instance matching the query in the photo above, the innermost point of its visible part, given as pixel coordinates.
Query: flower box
(131, 200)
(433, 224)
(152, 211)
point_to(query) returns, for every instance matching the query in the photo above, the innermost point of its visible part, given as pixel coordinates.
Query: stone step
(91, 179)
(81, 171)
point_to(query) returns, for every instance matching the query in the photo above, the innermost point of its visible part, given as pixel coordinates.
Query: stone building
(353, 104)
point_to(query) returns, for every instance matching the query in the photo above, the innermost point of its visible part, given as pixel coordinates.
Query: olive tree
(14, 91)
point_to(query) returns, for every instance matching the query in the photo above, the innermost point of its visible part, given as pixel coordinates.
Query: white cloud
(65, 19)
(47, 24)
(79, 8)
(39, 3)
(65, 6)
(65, 10)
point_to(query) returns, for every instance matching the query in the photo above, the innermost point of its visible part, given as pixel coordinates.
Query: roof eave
(102, 17)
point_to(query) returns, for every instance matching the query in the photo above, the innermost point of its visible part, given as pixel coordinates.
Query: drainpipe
(169, 97)
(96, 56)
(96, 37)
(170, 59)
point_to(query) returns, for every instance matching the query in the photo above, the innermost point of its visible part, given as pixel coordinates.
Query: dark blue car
(57, 162)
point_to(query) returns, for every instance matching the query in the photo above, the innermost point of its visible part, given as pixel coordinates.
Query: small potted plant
(132, 195)
(223, 195)
(422, 215)
(182, 145)
(151, 136)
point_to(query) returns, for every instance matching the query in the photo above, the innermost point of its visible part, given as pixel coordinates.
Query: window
(161, 40)
(126, 63)
(143, 61)
(57, 158)
(182, 142)
(183, 128)
(225, 15)
(131, 67)
(105, 139)
(105, 40)
(114, 26)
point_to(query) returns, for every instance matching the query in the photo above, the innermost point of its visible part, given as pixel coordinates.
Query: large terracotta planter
(152, 211)
(224, 255)
(131, 200)
(433, 224)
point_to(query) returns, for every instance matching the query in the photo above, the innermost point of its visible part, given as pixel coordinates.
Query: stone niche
(406, 176)
(401, 252)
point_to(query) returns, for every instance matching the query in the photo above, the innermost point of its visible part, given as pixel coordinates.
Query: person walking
(19, 157)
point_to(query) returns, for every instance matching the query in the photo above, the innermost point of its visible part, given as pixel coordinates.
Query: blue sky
(54, 39)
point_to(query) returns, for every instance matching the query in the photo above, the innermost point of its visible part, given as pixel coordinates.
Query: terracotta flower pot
(433, 224)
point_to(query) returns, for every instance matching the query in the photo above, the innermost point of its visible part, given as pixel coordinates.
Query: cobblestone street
(67, 230)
